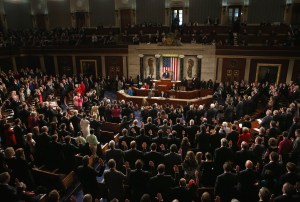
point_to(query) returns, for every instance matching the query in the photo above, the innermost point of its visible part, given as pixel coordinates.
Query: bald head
(249, 164)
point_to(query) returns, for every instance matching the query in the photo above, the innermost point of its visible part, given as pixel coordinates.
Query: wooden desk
(166, 84)
(176, 94)
(140, 100)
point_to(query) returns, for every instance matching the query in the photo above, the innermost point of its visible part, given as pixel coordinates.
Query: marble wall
(190, 51)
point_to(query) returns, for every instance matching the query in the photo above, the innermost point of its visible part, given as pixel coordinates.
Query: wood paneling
(65, 65)
(296, 71)
(32, 62)
(96, 58)
(234, 67)
(49, 65)
(125, 17)
(114, 66)
(283, 71)
(6, 64)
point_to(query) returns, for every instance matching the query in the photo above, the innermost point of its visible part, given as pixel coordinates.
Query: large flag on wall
(171, 64)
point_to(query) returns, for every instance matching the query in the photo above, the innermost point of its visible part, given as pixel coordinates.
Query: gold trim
(169, 55)
(95, 65)
(268, 65)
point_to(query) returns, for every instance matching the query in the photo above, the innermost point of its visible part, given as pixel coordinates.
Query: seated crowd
(162, 153)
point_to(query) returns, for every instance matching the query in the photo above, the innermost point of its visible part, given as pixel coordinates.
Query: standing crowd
(163, 153)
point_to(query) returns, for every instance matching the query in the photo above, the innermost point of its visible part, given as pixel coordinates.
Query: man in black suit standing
(288, 194)
(142, 139)
(132, 155)
(150, 126)
(178, 127)
(116, 154)
(138, 181)
(225, 186)
(243, 155)
(191, 132)
(248, 183)
(88, 176)
(222, 155)
(181, 193)
(161, 183)
(154, 156)
(172, 159)
(166, 75)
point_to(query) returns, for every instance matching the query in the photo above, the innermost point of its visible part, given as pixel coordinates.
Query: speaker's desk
(145, 100)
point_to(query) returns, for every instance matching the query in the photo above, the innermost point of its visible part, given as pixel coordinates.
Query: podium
(165, 84)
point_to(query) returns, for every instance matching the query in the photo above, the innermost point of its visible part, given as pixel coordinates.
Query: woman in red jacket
(245, 136)
(10, 139)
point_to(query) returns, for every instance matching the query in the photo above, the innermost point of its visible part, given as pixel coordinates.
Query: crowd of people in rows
(164, 153)
(185, 34)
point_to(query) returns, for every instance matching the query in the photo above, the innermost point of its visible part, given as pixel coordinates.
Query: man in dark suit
(166, 75)
(243, 155)
(154, 156)
(116, 154)
(152, 112)
(56, 155)
(8, 193)
(274, 166)
(132, 155)
(161, 183)
(288, 194)
(88, 176)
(171, 159)
(141, 139)
(69, 151)
(150, 126)
(190, 114)
(178, 127)
(222, 155)
(114, 181)
(181, 193)
(211, 114)
(75, 120)
(19, 131)
(134, 129)
(248, 183)
(291, 176)
(138, 181)
(225, 186)
(165, 127)
(124, 140)
(191, 132)
(233, 136)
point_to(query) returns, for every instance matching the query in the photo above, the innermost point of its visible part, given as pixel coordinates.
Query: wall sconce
(141, 55)
(157, 56)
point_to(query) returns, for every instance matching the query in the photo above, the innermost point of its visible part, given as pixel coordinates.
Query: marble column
(181, 67)
(42, 64)
(125, 67)
(290, 70)
(141, 56)
(103, 66)
(14, 63)
(157, 63)
(247, 69)
(199, 66)
(56, 65)
(74, 64)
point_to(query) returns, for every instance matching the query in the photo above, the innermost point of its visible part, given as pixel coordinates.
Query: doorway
(80, 19)
(89, 67)
(234, 14)
(125, 17)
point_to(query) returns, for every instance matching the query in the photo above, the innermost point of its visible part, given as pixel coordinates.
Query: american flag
(171, 64)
